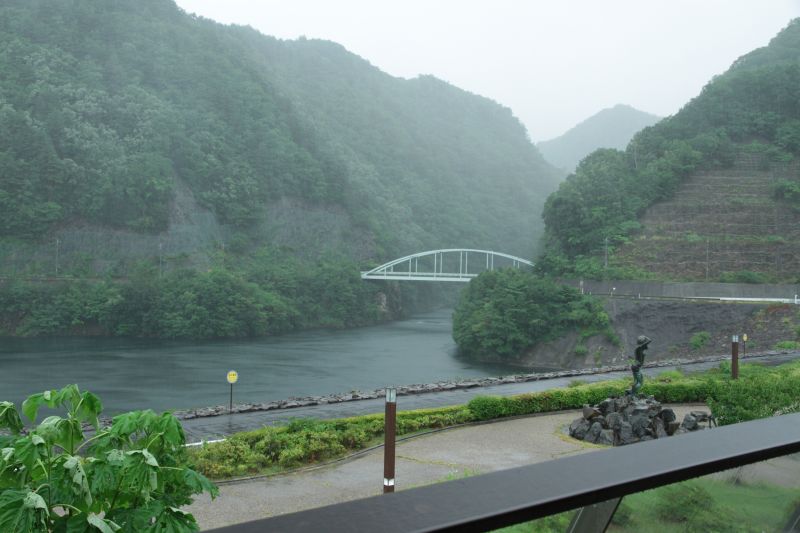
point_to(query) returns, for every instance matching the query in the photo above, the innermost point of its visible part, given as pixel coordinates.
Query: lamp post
(390, 422)
(735, 357)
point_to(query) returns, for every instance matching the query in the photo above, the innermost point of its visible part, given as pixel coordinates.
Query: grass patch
(705, 505)
(787, 345)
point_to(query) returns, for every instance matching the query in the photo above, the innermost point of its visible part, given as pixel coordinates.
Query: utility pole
(605, 263)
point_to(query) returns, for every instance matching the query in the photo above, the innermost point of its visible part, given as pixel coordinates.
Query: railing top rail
(506, 497)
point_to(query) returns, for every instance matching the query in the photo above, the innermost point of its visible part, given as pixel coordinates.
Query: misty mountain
(732, 149)
(128, 125)
(610, 128)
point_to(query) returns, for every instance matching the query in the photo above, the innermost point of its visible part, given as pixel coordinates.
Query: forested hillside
(209, 181)
(610, 128)
(750, 113)
(114, 112)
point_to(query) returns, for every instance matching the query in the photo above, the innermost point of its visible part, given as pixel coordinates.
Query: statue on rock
(636, 368)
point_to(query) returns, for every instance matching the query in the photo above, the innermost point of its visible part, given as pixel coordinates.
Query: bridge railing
(592, 481)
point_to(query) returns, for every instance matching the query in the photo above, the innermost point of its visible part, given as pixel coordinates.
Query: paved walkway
(428, 459)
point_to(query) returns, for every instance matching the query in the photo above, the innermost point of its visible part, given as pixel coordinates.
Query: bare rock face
(627, 419)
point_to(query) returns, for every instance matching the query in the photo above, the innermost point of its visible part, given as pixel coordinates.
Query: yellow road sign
(233, 376)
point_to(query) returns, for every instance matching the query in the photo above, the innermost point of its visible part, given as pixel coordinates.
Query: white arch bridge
(453, 264)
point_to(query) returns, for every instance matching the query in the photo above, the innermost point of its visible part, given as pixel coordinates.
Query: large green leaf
(103, 472)
(101, 524)
(22, 511)
(62, 432)
(88, 523)
(174, 520)
(141, 472)
(9, 418)
(89, 408)
(198, 483)
(30, 407)
(138, 519)
(170, 430)
(30, 452)
(78, 479)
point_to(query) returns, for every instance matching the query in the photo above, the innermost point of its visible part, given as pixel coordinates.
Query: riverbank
(442, 386)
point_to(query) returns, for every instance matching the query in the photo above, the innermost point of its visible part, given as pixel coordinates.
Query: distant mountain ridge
(613, 127)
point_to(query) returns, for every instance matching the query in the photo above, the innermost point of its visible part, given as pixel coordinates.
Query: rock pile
(625, 420)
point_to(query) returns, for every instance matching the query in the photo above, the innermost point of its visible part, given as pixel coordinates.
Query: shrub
(303, 441)
(131, 476)
(669, 376)
(693, 507)
(787, 345)
(699, 340)
(743, 276)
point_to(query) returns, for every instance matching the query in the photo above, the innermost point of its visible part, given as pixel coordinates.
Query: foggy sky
(554, 64)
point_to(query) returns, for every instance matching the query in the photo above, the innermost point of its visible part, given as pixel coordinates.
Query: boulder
(640, 422)
(606, 437)
(590, 412)
(667, 415)
(626, 435)
(658, 428)
(594, 433)
(579, 428)
(613, 421)
(628, 419)
(607, 406)
(689, 422)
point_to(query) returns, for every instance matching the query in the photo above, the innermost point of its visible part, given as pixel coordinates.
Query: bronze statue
(636, 368)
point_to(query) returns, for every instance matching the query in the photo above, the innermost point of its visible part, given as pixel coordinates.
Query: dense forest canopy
(756, 102)
(610, 128)
(105, 107)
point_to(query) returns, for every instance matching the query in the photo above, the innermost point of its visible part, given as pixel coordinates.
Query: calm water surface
(136, 374)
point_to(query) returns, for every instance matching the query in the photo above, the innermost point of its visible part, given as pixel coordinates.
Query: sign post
(233, 377)
(735, 357)
(389, 427)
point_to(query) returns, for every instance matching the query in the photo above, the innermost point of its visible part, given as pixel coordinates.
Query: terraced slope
(721, 225)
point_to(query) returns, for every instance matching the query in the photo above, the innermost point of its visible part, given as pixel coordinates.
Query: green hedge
(305, 441)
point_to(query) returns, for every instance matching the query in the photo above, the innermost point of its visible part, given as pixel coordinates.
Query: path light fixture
(389, 432)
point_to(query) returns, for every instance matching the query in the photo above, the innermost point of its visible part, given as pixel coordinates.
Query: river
(132, 374)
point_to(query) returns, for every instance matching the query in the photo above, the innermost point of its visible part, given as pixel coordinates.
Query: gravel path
(427, 459)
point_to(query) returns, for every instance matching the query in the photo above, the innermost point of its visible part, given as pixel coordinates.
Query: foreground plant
(131, 477)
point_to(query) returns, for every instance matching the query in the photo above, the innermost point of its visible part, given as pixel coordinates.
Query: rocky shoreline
(403, 390)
